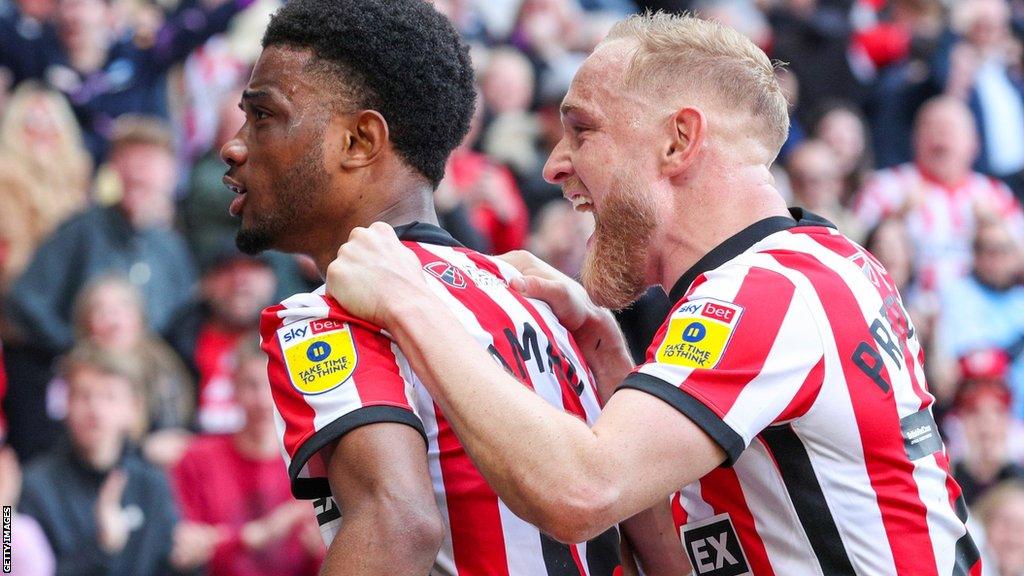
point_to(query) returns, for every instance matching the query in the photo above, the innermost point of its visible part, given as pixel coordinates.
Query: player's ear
(687, 132)
(365, 137)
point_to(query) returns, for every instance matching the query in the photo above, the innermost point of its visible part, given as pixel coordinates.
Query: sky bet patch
(319, 355)
(698, 333)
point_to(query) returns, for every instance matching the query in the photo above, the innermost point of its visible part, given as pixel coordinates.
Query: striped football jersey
(331, 372)
(790, 346)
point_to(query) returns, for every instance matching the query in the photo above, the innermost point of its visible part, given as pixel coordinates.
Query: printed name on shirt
(319, 355)
(527, 349)
(891, 331)
(698, 333)
(714, 548)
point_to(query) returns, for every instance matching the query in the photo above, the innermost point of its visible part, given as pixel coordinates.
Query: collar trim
(741, 242)
(427, 234)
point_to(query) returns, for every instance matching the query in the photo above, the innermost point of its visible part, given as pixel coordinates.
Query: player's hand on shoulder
(373, 273)
(566, 297)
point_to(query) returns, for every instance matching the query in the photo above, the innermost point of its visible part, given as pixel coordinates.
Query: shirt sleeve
(329, 374)
(739, 353)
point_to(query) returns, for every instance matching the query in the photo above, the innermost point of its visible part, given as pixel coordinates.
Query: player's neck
(710, 214)
(414, 203)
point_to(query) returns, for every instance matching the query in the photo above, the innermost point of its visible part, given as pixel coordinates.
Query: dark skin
(311, 170)
(325, 166)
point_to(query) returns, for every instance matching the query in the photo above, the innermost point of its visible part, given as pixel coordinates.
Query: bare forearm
(654, 541)
(540, 460)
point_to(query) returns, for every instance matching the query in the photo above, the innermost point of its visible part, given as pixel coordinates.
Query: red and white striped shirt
(790, 347)
(941, 219)
(331, 372)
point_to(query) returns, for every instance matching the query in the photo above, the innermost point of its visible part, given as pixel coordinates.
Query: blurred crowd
(137, 427)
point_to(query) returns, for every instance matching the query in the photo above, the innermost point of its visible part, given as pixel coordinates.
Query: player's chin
(252, 240)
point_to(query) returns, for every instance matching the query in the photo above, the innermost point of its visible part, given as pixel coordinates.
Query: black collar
(740, 242)
(426, 233)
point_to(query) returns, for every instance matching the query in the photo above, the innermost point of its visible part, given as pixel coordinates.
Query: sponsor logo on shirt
(920, 434)
(698, 333)
(714, 548)
(319, 355)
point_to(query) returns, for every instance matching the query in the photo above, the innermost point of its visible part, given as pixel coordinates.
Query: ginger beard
(615, 265)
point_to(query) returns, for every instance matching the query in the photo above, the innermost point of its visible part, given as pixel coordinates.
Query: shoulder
(149, 475)
(44, 467)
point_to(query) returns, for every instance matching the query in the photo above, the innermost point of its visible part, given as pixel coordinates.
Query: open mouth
(580, 203)
(235, 209)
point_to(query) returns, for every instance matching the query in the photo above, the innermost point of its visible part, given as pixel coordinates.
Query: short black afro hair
(405, 60)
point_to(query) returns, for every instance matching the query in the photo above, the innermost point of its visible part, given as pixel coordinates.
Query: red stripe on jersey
(889, 470)
(759, 326)
(726, 495)
(659, 336)
(570, 400)
(478, 543)
(806, 395)
(297, 414)
(678, 511)
(894, 314)
(374, 391)
(694, 285)
(574, 549)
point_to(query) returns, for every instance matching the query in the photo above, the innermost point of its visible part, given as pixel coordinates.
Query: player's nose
(234, 152)
(558, 168)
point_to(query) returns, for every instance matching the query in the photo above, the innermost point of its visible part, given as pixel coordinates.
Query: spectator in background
(985, 310)
(109, 314)
(984, 71)
(204, 210)
(490, 193)
(134, 238)
(237, 486)
(510, 129)
(30, 552)
(552, 35)
(560, 237)
(903, 86)
(815, 38)
(44, 174)
(234, 290)
(1001, 513)
(939, 195)
(816, 180)
(537, 192)
(106, 72)
(982, 409)
(844, 129)
(103, 509)
(890, 243)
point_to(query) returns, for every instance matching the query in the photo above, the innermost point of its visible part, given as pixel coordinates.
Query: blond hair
(709, 59)
(132, 129)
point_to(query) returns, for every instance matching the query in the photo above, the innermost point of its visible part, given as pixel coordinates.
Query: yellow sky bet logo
(319, 361)
(698, 333)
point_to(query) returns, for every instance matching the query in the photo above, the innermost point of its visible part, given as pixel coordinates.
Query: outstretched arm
(569, 480)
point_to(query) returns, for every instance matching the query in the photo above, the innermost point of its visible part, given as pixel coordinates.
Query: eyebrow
(571, 109)
(248, 95)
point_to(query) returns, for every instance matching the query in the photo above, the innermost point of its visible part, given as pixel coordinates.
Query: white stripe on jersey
(836, 471)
